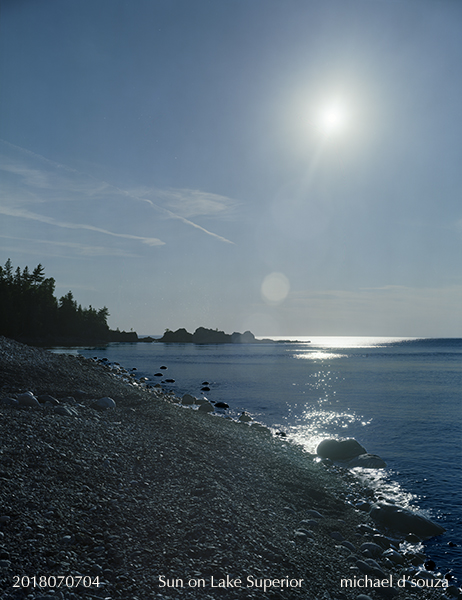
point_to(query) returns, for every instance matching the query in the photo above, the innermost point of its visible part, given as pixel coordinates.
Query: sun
(333, 119)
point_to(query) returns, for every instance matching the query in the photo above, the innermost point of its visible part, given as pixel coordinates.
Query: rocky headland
(112, 490)
(202, 335)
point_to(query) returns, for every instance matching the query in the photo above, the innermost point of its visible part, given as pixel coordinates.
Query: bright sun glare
(333, 119)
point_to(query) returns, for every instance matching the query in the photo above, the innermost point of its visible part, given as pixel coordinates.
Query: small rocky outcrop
(203, 335)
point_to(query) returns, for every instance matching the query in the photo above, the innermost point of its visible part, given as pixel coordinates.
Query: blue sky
(291, 167)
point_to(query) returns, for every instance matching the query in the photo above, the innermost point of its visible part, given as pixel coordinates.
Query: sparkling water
(400, 398)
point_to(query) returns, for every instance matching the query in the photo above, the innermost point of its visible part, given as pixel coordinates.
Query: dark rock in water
(205, 383)
(158, 374)
(402, 520)
(169, 381)
(163, 367)
(205, 389)
(221, 405)
(367, 461)
(340, 449)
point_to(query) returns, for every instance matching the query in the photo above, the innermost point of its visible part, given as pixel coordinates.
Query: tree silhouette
(29, 309)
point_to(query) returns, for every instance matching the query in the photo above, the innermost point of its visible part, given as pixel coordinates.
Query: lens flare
(275, 288)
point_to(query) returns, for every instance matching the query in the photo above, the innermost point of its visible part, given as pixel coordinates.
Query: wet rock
(289, 509)
(105, 403)
(367, 461)
(314, 514)
(340, 449)
(370, 566)
(206, 407)
(393, 556)
(28, 399)
(187, 400)
(222, 405)
(400, 519)
(349, 545)
(302, 535)
(200, 401)
(382, 541)
(336, 535)
(371, 550)
(245, 418)
(311, 523)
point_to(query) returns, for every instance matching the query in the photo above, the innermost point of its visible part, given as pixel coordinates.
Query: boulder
(405, 521)
(105, 403)
(367, 461)
(187, 399)
(28, 399)
(206, 407)
(340, 449)
(371, 550)
(245, 418)
(222, 405)
(47, 399)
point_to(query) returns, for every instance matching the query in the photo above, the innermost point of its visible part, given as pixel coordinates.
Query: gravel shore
(129, 499)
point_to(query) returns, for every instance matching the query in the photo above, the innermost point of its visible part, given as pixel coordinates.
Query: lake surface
(400, 398)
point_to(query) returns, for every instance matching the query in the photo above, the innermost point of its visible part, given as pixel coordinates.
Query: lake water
(400, 398)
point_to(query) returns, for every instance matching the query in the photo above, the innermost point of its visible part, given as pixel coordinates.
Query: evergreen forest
(29, 310)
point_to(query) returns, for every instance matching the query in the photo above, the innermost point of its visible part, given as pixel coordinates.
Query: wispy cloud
(194, 203)
(62, 182)
(174, 215)
(26, 214)
(75, 247)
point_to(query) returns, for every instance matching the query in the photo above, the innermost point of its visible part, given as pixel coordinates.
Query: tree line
(30, 311)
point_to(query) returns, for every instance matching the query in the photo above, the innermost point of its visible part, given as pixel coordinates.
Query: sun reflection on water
(318, 355)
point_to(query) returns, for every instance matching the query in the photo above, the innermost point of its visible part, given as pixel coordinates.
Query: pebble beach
(145, 498)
